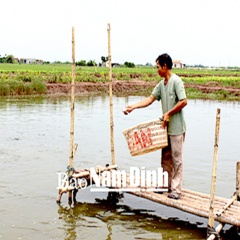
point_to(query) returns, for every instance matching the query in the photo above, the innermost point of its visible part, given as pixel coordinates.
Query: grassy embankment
(21, 80)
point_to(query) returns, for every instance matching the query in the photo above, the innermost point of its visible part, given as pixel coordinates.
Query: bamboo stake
(214, 170)
(218, 229)
(72, 147)
(99, 169)
(110, 94)
(238, 181)
(70, 163)
(229, 203)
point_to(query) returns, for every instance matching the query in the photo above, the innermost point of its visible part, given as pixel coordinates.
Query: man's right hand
(128, 109)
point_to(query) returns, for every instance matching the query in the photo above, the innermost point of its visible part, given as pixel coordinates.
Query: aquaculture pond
(35, 143)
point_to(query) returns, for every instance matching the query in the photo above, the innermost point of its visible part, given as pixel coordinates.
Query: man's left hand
(166, 119)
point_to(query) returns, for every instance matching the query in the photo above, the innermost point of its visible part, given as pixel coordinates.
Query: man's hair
(165, 58)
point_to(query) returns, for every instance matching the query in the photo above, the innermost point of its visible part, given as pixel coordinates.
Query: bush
(91, 63)
(129, 64)
(81, 63)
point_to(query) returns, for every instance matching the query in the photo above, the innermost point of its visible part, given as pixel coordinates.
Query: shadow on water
(110, 219)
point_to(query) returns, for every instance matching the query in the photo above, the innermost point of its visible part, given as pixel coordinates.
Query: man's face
(161, 70)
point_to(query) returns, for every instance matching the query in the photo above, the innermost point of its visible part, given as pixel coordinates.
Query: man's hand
(166, 119)
(177, 108)
(128, 109)
(143, 103)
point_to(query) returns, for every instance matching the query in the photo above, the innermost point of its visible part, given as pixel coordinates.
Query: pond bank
(139, 87)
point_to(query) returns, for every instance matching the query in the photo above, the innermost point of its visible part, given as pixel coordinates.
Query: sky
(197, 32)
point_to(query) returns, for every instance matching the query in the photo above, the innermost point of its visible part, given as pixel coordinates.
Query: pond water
(35, 147)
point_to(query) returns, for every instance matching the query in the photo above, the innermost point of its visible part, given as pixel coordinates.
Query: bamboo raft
(226, 211)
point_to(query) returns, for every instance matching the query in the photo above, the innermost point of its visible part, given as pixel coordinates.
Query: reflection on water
(109, 219)
(34, 139)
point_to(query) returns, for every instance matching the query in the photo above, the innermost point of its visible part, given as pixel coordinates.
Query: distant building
(178, 64)
(16, 60)
(116, 65)
(106, 64)
(30, 61)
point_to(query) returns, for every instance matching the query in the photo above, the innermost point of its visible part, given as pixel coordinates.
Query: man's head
(165, 59)
(164, 64)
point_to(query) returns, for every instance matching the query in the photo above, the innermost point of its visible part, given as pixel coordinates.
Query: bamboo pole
(72, 146)
(214, 170)
(110, 95)
(70, 163)
(218, 230)
(228, 204)
(238, 181)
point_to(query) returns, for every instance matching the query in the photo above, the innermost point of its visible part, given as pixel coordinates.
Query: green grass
(193, 93)
(13, 88)
(34, 67)
(30, 79)
(59, 68)
(230, 81)
(62, 73)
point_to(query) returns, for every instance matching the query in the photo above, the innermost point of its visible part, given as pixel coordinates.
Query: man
(172, 94)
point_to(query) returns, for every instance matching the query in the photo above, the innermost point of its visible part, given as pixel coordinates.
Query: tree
(3, 59)
(129, 64)
(91, 63)
(9, 59)
(81, 63)
(104, 59)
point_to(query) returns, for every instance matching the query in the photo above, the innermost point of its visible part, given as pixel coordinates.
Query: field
(25, 79)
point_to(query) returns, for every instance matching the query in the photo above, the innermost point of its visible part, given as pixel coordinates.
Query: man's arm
(177, 108)
(144, 103)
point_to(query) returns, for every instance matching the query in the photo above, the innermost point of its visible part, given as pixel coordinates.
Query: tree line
(91, 63)
(7, 59)
(103, 62)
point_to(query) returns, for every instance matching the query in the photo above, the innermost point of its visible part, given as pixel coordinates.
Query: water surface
(35, 146)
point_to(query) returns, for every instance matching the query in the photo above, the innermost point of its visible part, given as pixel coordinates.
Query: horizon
(99, 62)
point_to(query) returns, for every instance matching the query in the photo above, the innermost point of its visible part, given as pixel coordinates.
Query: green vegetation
(129, 64)
(193, 93)
(7, 59)
(29, 79)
